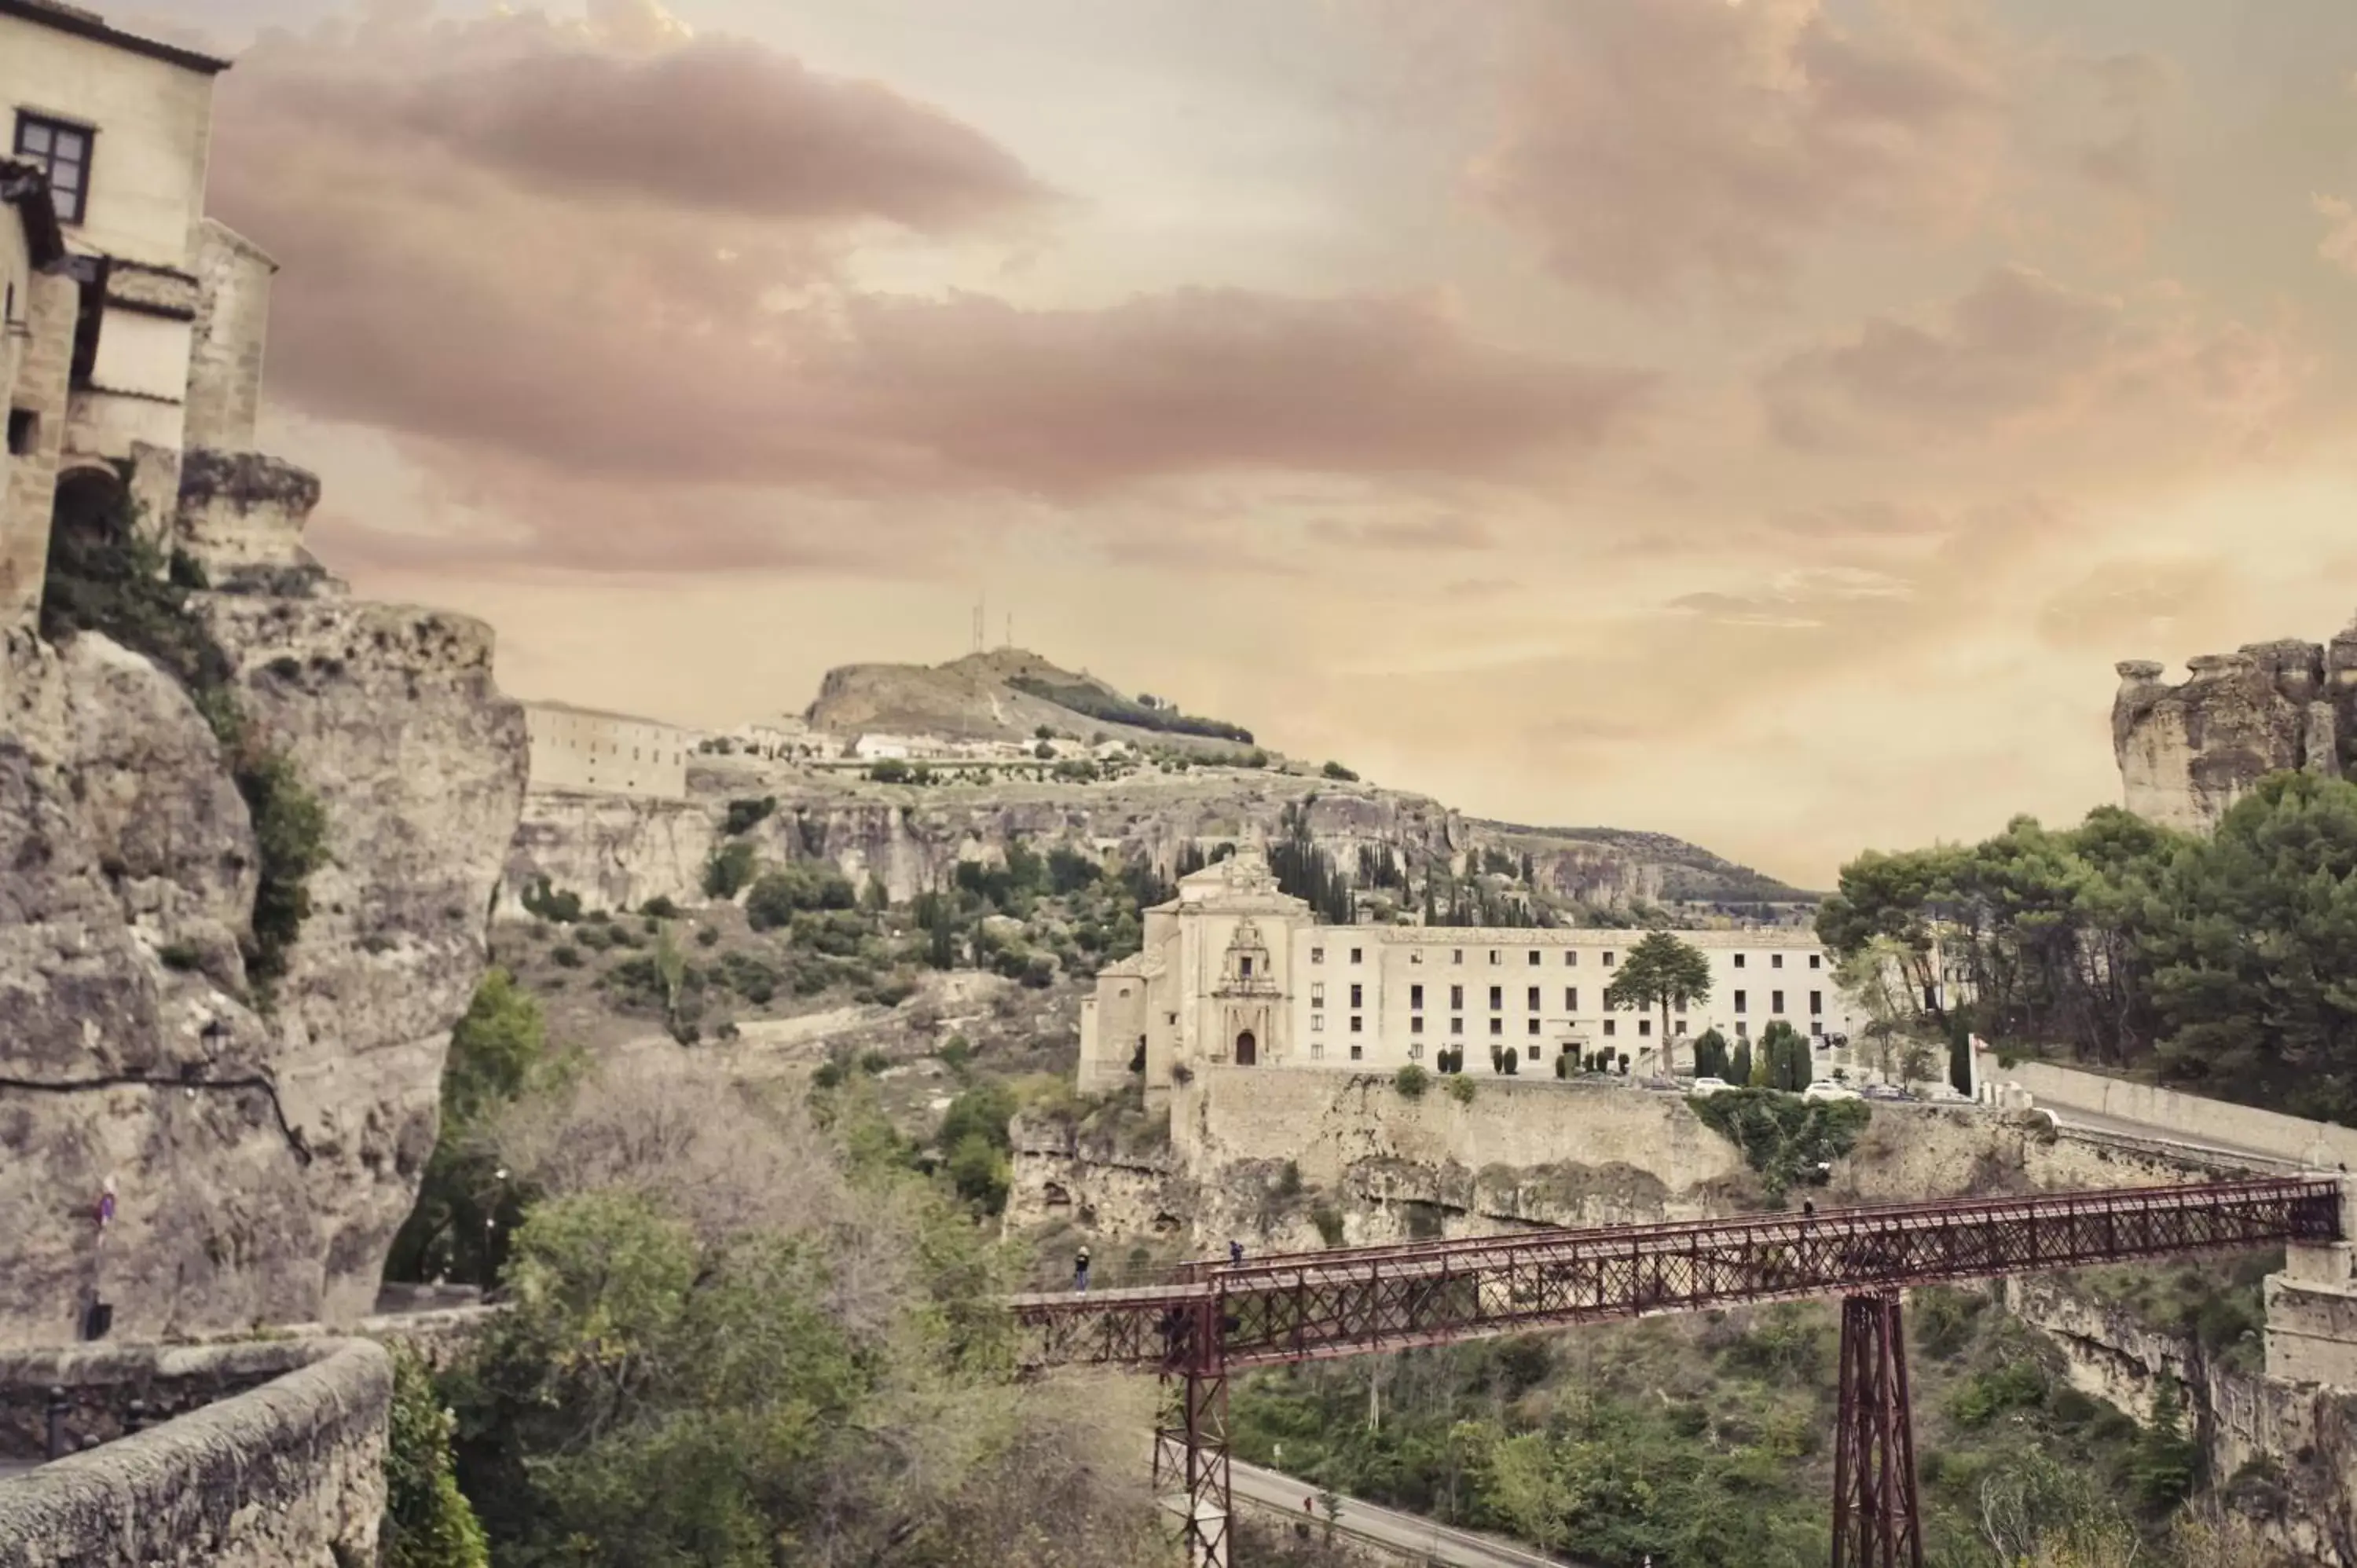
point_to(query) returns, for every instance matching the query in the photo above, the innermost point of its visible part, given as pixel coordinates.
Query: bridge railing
(1312, 1305)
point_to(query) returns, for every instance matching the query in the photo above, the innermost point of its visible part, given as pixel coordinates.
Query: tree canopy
(2222, 962)
(1660, 972)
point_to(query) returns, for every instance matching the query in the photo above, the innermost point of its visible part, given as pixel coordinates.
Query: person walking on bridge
(1080, 1270)
(1236, 1254)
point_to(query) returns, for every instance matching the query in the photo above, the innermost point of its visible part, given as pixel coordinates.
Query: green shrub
(565, 955)
(1288, 1181)
(797, 885)
(873, 1063)
(956, 1054)
(180, 957)
(888, 770)
(1410, 1081)
(558, 909)
(730, 868)
(744, 816)
(1336, 770)
(706, 935)
(2019, 1384)
(1460, 1088)
(428, 1524)
(660, 909)
(1328, 1221)
(1784, 1137)
(290, 835)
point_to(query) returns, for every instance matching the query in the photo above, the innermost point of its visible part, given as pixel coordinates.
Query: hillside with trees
(2219, 963)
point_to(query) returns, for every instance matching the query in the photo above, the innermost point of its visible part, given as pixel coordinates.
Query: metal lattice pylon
(1192, 1475)
(1875, 1519)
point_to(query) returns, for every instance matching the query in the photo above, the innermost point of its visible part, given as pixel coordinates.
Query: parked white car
(1827, 1088)
(1709, 1086)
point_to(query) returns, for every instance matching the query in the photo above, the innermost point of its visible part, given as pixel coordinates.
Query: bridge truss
(1201, 1322)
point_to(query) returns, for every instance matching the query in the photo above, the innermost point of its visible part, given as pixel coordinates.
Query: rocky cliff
(618, 853)
(2188, 751)
(263, 1150)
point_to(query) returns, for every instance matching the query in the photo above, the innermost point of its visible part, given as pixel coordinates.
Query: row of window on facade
(614, 749)
(1498, 1025)
(1533, 1001)
(1570, 957)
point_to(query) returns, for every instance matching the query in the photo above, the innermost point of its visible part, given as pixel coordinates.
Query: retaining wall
(288, 1475)
(2185, 1115)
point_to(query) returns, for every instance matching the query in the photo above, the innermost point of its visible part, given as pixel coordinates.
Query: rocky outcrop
(2188, 752)
(263, 1155)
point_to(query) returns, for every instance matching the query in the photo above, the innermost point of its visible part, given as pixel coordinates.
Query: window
(1415, 1048)
(1318, 955)
(1357, 1052)
(1775, 961)
(1571, 998)
(1532, 999)
(1645, 1027)
(1775, 1001)
(1354, 954)
(1497, 997)
(23, 431)
(1497, 1026)
(1494, 959)
(1357, 996)
(1532, 1053)
(1415, 1024)
(1681, 1030)
(1739, 1001)
(1357, 1025)
(1816, 1002)
(1742, 1031)
(1608, 961)
(1678, 1004)
(1816, 961)
(64, 151)
(1534, 1028)
(1318, 993)
(1318, 1023)
(1317, 1050)
(1608, 1028)
(1415, 955)
(1739, 961)
(1457, 1026)
(1415, 995)
(1570, 958)
(1457, 955)
(1534, 957)
(1817, 1025)
(1244, 966)
(1457, 996)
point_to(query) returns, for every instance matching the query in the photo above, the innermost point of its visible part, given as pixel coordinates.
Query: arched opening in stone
(1055, 1197)
(1247, 1049)
(90, 557)
(1164, 1224)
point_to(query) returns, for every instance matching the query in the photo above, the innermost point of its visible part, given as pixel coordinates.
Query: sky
(1762, 420)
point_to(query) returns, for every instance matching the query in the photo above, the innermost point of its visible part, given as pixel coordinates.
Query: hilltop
(1006, 694)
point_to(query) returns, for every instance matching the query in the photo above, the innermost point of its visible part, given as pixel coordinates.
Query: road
(2122, 1127)
(1389, 1527)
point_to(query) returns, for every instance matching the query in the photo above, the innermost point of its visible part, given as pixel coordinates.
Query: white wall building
(1235, 971)
(146, 340)
(583, 750)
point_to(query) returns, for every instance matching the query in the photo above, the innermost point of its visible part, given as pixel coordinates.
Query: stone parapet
(290, 1472)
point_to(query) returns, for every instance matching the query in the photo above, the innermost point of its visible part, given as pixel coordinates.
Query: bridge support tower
(1192, 1477)
(1876, 1523)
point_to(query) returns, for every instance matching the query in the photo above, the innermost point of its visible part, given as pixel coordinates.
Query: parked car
(1836, 1040)
(1827, 1088)
(1709, 1086)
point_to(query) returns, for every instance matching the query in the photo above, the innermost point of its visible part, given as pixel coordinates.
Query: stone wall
(2188, 752)
(232, 327)
(2189, 1116)
(27, 493)
(289, 1473)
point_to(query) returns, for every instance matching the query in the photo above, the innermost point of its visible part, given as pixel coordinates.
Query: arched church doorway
(1247, 1049)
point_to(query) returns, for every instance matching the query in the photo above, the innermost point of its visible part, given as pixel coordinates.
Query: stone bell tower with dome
(1210, 982)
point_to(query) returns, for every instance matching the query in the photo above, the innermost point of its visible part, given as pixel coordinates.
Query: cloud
(2123, 157)
(2125, 604)
(1806, 599)
(2017, 352)
(2339, 245)
(479, 261)
(1652, 144)
(1428, 534)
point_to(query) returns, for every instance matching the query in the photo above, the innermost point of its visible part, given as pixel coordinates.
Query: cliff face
(2188, 752)
(617, 853)
(263, 1158)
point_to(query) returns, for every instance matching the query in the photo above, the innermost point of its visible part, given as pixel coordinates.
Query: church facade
(1233, 971)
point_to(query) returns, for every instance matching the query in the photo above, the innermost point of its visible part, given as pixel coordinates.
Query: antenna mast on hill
(1010, 629)
(978, 623)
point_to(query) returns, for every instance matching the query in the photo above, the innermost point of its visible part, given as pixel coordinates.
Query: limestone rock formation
(263, 1157)
(2188, 752)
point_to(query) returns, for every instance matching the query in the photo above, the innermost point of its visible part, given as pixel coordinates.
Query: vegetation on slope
(2220, 963)
(1704, 1442)
(1096, 702)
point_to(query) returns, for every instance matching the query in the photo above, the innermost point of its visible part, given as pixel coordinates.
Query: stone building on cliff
(2188, 752)
(1233, 970)
(586, 751)
(143, 339)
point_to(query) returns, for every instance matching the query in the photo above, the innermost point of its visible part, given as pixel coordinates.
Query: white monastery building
(1233, 970)
(589, 752)
(135, 323)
